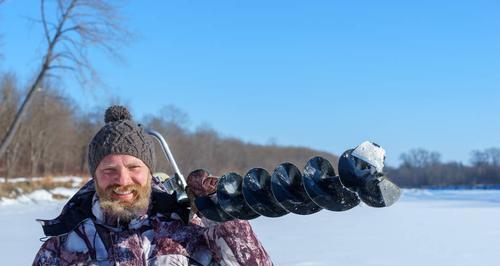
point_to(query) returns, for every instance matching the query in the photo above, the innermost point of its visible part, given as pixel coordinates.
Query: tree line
(52, 140)
(423, 168)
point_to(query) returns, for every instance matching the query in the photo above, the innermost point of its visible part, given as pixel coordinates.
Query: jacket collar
(81, 207)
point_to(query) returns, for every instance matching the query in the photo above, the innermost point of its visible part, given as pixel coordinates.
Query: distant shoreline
(458, 187)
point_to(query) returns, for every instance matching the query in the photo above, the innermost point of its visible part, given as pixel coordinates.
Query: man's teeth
(122, 192)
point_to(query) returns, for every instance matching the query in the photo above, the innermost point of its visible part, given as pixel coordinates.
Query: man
(124, 216)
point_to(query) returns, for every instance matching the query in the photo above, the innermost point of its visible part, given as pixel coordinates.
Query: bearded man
(124, 215)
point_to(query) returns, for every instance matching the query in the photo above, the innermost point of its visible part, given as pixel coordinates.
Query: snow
(67, 192)
(426, 227)
(74, 179)
(38, 196)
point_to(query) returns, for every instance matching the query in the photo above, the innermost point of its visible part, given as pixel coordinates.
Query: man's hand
(200, 183)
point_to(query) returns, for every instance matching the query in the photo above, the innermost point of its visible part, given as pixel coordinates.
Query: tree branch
(44, 22)
(78, 25)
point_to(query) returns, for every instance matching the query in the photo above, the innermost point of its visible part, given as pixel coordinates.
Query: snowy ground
(426, 227)
(75, 179)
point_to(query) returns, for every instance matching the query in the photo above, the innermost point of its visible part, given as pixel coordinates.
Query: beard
(120, 211)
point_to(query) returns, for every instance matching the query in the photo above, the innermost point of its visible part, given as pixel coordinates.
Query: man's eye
(109, 171)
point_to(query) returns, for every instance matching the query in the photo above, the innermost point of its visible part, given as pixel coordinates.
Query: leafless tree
(420, 158)
(59, 122)
(69, 32)
(86, 126)
(40, 131)
(9, 99)
(487, 157)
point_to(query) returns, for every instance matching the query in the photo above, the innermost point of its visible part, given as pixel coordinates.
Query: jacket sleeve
(48, 253)
(235, 243)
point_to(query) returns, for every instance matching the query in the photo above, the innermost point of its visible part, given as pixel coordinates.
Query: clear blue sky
(322, 74)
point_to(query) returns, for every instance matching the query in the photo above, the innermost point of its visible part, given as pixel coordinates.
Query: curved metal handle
(180, 180)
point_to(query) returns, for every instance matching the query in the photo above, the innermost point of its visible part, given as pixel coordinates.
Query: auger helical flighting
(290, 190)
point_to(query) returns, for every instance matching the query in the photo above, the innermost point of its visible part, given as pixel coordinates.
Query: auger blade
(379, 192)
(288, 189)
(258, 194)
(374, 189)
(325, 189)
(211, 210)
(231, 199)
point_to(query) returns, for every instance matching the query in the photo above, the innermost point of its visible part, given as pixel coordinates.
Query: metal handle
(181, 181)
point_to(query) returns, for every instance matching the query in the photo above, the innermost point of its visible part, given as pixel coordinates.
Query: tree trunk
(22, 111)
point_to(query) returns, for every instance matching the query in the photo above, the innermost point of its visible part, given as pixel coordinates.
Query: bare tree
(9, 100)
(489, 157)
(420, 158)
(39, 129)
(86, 126)
(60, 144)
(76, 25)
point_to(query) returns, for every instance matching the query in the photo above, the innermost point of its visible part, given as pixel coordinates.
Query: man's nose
(123, 177)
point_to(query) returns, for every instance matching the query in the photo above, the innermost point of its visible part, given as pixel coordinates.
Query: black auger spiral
(318, 187)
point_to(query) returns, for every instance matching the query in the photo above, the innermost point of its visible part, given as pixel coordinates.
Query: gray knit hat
(120, 135)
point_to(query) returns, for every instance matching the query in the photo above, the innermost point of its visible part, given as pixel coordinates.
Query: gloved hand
(199, 184)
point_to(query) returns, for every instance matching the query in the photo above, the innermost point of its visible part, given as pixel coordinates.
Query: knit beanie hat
(120, 135)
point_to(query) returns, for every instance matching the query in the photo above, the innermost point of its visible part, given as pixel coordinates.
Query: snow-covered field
(426, 227)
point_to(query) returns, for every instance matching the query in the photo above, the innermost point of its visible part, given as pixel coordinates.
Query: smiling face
(123, 184)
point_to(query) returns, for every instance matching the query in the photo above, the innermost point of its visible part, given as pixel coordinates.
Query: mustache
(107, 193)
(133, 187)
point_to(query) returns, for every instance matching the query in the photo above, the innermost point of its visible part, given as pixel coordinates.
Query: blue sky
(322, 74)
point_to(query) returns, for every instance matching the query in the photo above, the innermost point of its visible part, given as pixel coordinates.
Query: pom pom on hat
(117, 113)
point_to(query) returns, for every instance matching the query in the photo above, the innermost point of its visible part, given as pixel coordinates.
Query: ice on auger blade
(371, 153)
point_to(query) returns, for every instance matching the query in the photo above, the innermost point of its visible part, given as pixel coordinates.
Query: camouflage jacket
(166, 235)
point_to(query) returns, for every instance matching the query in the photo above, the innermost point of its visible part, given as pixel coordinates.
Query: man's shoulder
(49, 253)
(62, 249)
(76, 210)
(71, 241)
